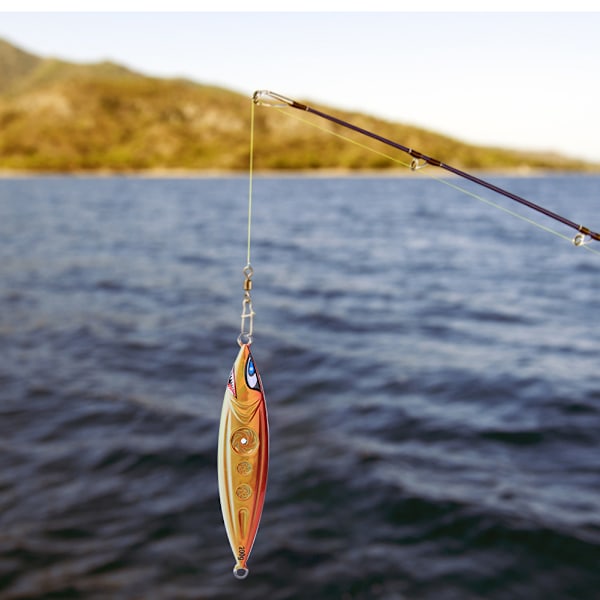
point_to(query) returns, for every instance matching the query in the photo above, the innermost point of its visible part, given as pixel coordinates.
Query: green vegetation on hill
(63, 117)
(15, 64)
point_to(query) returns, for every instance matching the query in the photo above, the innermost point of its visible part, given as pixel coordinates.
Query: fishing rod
(268, 98)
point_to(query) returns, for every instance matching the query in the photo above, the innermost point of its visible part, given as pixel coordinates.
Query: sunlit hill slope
(58, 116)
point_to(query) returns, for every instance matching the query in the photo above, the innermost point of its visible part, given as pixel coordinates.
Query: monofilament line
(247, 323)
(250, 178)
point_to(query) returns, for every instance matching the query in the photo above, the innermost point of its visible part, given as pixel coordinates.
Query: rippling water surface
(431, 370)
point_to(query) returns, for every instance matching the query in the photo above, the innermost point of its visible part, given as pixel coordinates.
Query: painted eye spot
(244, 441)
(251, 374)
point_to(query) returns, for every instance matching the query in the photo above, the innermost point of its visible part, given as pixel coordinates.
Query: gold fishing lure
(243, 457)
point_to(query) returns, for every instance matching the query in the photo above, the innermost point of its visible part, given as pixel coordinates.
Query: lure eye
(251, 375)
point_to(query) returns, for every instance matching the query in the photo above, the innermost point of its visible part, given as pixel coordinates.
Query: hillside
(64, 117)
(15, 64)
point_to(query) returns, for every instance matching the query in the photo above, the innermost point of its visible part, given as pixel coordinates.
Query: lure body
(243, 457)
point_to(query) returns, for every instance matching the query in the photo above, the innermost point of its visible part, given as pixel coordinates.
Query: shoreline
(292, 174)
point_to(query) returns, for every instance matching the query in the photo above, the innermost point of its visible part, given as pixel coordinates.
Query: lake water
(430, 365)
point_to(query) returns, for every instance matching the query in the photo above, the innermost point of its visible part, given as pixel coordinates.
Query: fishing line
(250, 179)
(583, 237)
(247, 325)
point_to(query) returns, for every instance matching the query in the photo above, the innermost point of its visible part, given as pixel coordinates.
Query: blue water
(430, 365)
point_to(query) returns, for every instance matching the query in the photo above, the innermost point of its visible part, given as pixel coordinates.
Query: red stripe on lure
(243, 457)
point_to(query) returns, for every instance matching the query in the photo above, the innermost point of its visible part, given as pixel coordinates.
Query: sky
(515, 78)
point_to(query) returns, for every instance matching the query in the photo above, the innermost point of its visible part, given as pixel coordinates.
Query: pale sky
(524, 80)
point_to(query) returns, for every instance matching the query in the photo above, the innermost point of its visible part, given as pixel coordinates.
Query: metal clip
(247, 326)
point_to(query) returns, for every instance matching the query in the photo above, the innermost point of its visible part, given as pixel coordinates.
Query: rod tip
(268, 98)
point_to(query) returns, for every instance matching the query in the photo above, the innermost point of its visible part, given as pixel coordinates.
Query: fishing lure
(243, 457)
(243, 449)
